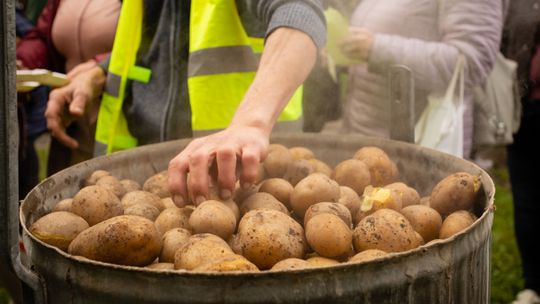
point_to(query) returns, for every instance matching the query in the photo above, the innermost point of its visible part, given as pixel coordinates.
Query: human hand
(81, 68)
(237, 147)
(70, 101)
(357, 44)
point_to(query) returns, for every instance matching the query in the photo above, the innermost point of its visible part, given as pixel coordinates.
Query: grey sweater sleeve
(304, 15)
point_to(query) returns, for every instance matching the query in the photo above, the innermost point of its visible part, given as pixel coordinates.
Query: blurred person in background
(71, 36)
(198, 68)
(426, 36)
(521, 42)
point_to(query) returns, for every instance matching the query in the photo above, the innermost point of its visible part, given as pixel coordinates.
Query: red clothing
(36, 49)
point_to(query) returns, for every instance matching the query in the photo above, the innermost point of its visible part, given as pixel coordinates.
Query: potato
(455, 192)
(64, 205)
(58, 228)
(262, 200)
(354, 174)
(266, 237)
(313, 189)
(297, 171)
(455, 223)
(161, 266)
(278, 188)
(424, 220)
(130, 185)
(95, 176)
(367, 255)
(320, 167)
(290, 264)
(125, 240)
(168, 203)
(241, 193)
(213, 217)
(277, 162)
(112, 184)
(171, 218)
(378, 198)
(233, 207)
(328, 235)
(96, 204)
(409, 195)
(301, 153)
(157, 184)
(228, 263)
(333, 208)
(321, 261)
(425, 201)
(386, 230)
(199, 250)
(173, 240)
(142, 197)
(382, 169)
(349, 199)
(145, 210)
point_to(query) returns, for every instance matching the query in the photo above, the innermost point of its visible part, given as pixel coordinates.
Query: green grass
(506, 275)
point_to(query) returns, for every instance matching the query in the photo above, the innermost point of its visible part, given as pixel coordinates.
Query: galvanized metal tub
(456, 270)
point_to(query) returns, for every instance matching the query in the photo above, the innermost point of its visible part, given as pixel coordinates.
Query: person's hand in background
(70, 101)
(81, 68)
(357, 44)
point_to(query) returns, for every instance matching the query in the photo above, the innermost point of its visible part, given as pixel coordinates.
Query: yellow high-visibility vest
(222, 65)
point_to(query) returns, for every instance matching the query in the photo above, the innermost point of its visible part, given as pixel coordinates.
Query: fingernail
(199, 199)
(178, 200)
(246, 185)
(225, 194)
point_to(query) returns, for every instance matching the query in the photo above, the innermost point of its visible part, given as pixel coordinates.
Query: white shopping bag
(440, 126)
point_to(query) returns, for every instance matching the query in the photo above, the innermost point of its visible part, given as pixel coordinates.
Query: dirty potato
(173, 240)
(278, 188)
(409, 195)
(313, 189)
(112, 184)
(125, 240)
(95, 176)
(96, 204)
(213, 217)
(424, 220)
(130, 185)
(367, 255)
(352, 173)
(382, 169)
(333, 208)
(291, 264)
(266, 237)
(142, 197)
(171, 218)
(328, 235)
(58, 228)
(161, 266)
(318, 261)
(228, 263)
(386, 230)
(455, 223)
(297, 171)
(199, 250)
(349, 199)
(378, 198)
(320, 167)
(301, 153)
(262, 200)
(145, 210)
(64, 205)
(158, 184)
(455, 192)
(277, 161)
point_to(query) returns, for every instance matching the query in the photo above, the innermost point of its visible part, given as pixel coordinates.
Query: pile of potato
(300, 214)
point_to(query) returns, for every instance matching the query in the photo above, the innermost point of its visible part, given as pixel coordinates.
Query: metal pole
(33, 287)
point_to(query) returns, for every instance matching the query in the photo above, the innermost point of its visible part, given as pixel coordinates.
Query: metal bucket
(456, 270)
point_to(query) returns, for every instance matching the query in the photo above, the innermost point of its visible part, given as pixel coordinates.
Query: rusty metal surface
(456, 270)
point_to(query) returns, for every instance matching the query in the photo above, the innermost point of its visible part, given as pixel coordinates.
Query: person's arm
(287, 59)
(471, 28)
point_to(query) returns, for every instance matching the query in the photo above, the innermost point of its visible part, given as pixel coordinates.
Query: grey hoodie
(160, 110)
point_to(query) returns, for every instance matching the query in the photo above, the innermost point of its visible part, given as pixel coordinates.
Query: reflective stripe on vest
(112, 132)
(222, 65)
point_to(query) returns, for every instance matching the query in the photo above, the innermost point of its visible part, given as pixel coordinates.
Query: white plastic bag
(440, 126)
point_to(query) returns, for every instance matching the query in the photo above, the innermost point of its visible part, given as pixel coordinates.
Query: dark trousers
(524, 168)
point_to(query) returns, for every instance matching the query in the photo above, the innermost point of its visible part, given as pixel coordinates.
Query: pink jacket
(428, 39)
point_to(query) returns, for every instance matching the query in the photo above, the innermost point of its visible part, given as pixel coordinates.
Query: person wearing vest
(189, 68)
